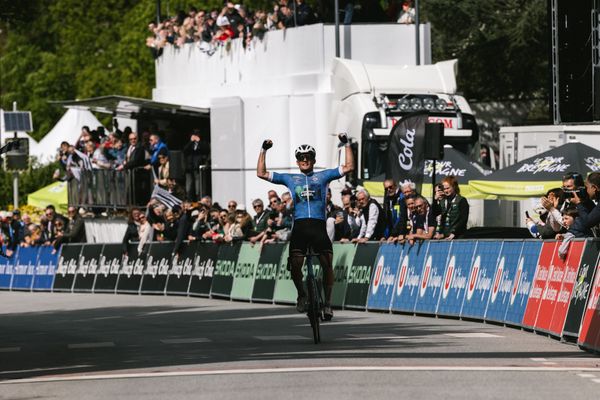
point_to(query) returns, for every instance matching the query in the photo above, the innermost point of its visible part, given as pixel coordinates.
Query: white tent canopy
(68, 129)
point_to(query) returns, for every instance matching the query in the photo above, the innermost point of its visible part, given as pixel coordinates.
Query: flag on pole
(165, 197)
(87, 164)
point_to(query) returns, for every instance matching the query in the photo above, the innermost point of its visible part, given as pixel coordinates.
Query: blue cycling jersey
(308, 191)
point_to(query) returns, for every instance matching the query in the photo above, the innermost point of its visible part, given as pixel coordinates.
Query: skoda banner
(266, 271)
(180, 273)
(581, 290)
(384, 276)
(26, 259)
(502, 283)
(406, 288)
(225, 270)
(285, 292)
(359, 276)
(479, 283)
(158, 262)
(67, 266)
(243, 279)
(132, 270)
(45, 269)
(406, 157)
(109, 266)
(343, 254)
(433, 273)
(89, 258)
(203, 268)
(539, 284)
(523, 282)
(454, 284)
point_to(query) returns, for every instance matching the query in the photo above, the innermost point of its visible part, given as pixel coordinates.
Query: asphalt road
(132, 347)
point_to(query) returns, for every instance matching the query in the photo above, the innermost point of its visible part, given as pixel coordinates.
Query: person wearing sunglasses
(309, 190)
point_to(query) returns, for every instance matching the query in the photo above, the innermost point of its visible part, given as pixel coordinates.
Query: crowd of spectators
(214, 28)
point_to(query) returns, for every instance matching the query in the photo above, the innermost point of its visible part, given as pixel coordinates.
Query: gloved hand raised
(267, 144)
(343, 137)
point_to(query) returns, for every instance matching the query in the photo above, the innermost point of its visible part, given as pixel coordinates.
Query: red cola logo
(425, 279)
(517, 281)
(473, 277)
(402, 275)
(498, 279)
(378, 274)
(449, 275)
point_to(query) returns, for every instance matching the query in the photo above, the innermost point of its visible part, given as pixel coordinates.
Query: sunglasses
(305, 157)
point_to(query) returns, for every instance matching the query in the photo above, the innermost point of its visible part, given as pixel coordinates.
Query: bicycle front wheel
(314, 309)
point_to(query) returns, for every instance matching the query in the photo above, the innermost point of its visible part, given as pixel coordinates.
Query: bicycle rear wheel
(314, 309)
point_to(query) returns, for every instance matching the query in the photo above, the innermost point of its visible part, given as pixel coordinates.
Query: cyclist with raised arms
(309, 191)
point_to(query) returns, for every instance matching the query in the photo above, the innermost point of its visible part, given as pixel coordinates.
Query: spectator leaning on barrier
(373, 224)
(393, 205)
(551, 222)
(74, 232)
(132, 230)
(424, 222)
(455, 211)
(575, 229)
(589, 212)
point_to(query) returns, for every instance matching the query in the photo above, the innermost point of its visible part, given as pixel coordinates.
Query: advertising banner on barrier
(180, 273)
(359, 276)
(581, 290)
(343, 254)
(433, 273)
(243, 280)
(502, 284)
(523, 282)
(266, 271)
(589, 333)
(384, 276)
(45, 269)
(479, 283)
(563, 298)
(25, 261)
(6, 272)
(225, 270)
(67, 267)
(109, 266)
(454, 284)
(158, 263)
(87, 267)
(285, 291)
(406, 287)
(203, 268)
(539, 284)
(132, 270)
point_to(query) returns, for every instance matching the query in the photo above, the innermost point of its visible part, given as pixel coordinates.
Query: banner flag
(158, 263)
(502, 283)
(523, 282)
(581, 290)
(433, 273)
(539, 284)
(343, 254)
(26, 259)
(384, 276)
(203, 268)
(67, 267)
(109, 266)
(589, 334)
(454, 284)
(359, 276)
(87, 267)
(45, 269)
(132, 270)
(180, 273)
(269, 263)
(406, 288)
(243, 280)
(225, 270)
(406, 157)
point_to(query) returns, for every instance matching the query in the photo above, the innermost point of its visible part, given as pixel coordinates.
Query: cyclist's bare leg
(326, 260)
(296, 261)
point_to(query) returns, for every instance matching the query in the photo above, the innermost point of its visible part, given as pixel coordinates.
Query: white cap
(195, 212)
(222, 21)
(241, 207)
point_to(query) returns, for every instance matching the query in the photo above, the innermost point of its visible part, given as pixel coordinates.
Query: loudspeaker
(434, 141)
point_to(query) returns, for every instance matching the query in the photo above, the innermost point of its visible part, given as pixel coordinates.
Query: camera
(580, 191)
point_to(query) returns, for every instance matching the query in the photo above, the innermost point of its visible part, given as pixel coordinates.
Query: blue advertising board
(45, 269)
(454, 284)
(25, 261)
(406, 288)
(479, 284)
(503, 279)
(431, 277)
(382, 284)
(6, 272)
(522, 282)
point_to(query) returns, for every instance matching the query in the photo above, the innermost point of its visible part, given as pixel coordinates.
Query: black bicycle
(315, 298)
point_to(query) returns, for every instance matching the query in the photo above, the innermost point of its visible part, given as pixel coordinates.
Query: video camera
(580, 191)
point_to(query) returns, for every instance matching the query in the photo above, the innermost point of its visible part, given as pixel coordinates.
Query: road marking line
(90, 345)
(282, 337)
(596, 380)
(9, 349)
(469, 335)
(586, 375)
(156, 374)
(17, 371)
(549, 363)
(392, 338)
(538, 359)
(184, 340)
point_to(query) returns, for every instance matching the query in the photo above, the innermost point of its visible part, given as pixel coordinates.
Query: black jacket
(136, 159)
(195, 155)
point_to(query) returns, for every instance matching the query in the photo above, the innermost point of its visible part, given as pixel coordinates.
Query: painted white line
(549, 363)
(586, 375)
(596, 380)
(185, 340)
(90, 345)
(471, 335)
(538, 359)
(280, 338)
(292, 370)
(9, 349)
(18, 371)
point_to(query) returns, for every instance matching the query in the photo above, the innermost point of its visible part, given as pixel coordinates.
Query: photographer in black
(589, 212)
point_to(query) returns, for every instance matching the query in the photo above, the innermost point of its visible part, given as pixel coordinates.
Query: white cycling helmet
(304, 149)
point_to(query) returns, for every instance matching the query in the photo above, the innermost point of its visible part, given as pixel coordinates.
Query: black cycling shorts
(310, 232)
